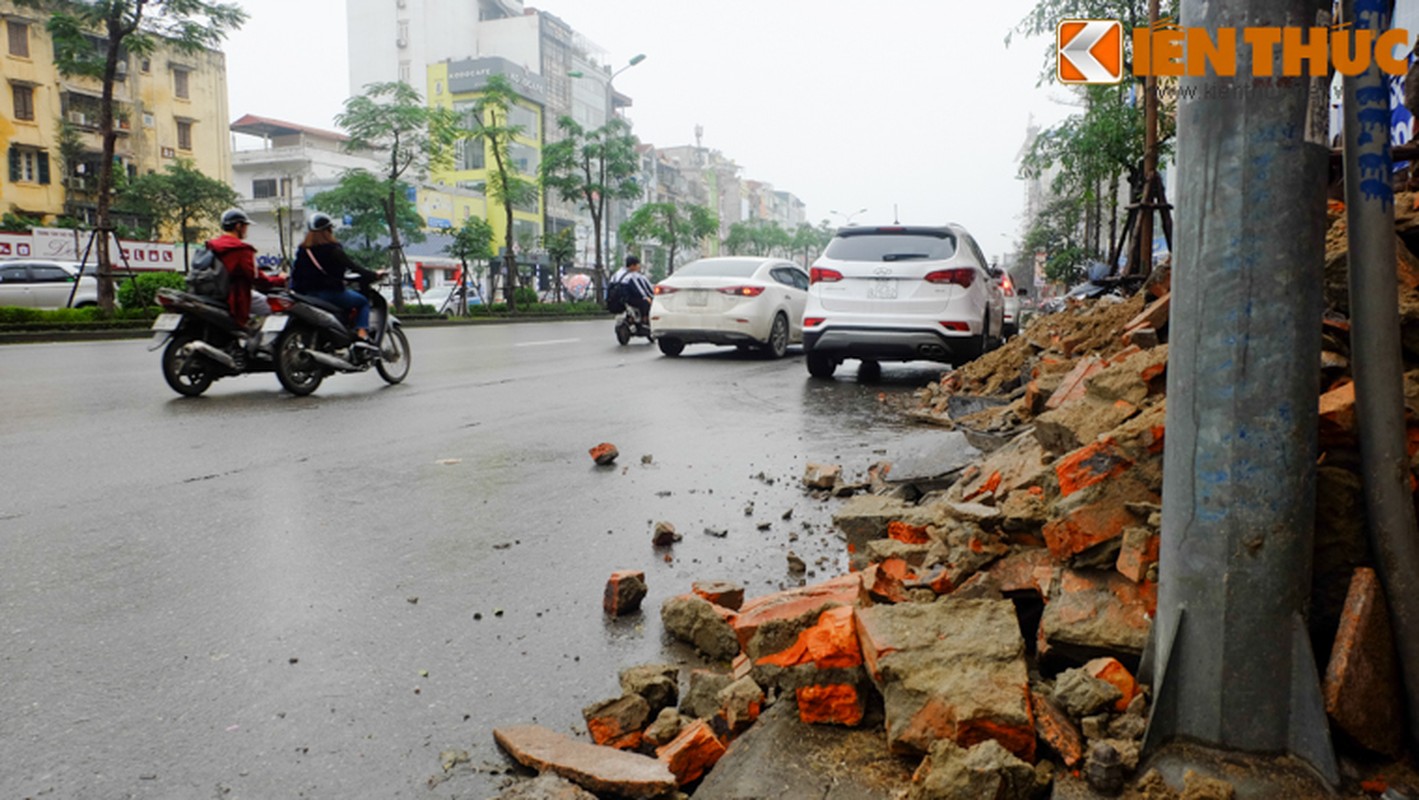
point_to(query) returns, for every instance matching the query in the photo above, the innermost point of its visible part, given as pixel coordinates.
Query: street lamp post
(848, 218)
(610, 113)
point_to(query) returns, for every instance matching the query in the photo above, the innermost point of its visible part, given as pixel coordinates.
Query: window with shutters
(184, 135)
(28, 165)
(24, 101)
(19, 38)
(262, 188)
(180, 82)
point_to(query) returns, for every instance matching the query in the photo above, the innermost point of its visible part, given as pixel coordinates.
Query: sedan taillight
(960, 277)
(661, 289)
(743, 291)
(822, 275)
(1007, 285)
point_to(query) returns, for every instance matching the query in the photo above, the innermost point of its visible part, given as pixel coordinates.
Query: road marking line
(549, 341)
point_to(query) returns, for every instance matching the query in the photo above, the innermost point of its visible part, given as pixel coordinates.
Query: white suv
(900, 293)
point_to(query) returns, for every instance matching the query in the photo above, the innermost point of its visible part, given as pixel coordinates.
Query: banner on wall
(60, 244)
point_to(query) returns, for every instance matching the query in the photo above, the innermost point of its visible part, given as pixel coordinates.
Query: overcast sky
(916, 104)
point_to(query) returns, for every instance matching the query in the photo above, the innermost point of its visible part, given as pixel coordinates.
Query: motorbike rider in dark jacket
(319, 271)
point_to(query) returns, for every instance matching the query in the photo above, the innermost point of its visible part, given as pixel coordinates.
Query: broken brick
(886, 582)
(831, 643)
(1089, 465)
(1098, 613)
(953, 669)
(1337, 416)
(907, 533)
(624, 592)
(722, 593)
(1155, 315)
(1362, 688)
(618, 723)
(693, 753)
(1087, 526)
(837, 704)
(1072, 387)
(1138, 552)
(821, 476)
(771, 623)
(740, 704)
(1057, 731)
(1111, 671)
(599, 769)
(604, 453)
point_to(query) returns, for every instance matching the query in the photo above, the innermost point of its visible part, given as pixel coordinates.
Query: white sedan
(746, 301)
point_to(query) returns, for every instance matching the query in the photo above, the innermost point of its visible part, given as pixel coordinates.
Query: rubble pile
(992, 629)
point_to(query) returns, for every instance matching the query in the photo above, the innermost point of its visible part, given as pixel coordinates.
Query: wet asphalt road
(251, 595)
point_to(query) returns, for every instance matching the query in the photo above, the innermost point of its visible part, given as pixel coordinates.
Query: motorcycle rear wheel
(623, 333)
(298, 372)
(190, 376)
(394, 357)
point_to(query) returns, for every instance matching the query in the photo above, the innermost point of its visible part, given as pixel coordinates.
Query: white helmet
(233, 217)
(319, 221)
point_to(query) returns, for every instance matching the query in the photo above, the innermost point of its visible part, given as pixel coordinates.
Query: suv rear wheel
(821, 365)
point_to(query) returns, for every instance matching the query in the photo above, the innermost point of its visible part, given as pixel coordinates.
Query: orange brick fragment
(1154, 316)
(1056, 730)
(838, 704)
(604, 453)
(1111, 671)
(692, 753)
(829, 644)
(987, 487)
(1085, 527)
(1374, 786)
(1072, 386)
(1089, 465)
(907, 533)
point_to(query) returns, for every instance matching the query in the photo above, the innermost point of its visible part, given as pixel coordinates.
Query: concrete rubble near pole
(987, 640)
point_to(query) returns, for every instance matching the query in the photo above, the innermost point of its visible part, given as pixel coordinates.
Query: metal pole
(1378, 363)
(1144, 265)
(1230, 659)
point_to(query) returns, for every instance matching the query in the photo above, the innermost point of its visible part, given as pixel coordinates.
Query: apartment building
(169, 105)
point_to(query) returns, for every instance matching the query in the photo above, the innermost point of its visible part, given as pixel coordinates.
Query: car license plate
(167, 322)
(274, 323)
(697, 299)
(882, 289)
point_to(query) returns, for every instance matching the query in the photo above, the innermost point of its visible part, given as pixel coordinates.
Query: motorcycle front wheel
(394, 357)
(297, 371)
(188, 375)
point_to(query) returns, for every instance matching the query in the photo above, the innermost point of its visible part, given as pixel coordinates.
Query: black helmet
(233, 217)
(632, 261)
(319, 222)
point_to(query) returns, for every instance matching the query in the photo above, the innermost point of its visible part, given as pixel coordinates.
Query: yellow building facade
(169, 105)
(457, 85)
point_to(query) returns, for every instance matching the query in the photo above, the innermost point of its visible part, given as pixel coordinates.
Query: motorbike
(631, 323)
(315, 340)
(204, 344)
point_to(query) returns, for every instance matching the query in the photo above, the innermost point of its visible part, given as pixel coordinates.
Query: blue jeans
(350, 300)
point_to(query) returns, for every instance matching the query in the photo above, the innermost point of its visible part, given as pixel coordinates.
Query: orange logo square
(1089, 51)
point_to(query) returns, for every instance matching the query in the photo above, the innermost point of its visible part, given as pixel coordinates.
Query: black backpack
(616, 297)
(208, 276)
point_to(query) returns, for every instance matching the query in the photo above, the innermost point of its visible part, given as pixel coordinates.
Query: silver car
(39, 283)
(901, 293)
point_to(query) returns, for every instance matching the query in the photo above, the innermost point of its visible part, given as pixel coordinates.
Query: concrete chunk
(1362, 683)
(603, 770)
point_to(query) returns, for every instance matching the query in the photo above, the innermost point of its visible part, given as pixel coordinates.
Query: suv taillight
(960, 277)
(1007, 285)
(822, 275)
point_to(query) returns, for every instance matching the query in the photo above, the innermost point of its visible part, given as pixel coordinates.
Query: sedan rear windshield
(719, 269)
(892, 246)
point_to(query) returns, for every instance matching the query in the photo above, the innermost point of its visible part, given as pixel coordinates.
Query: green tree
(181, 199)
(1057, 231)
(472, 241)
(561, 250)
(391, 118)
(670, 226)
(757, 238)
(488, 123)
(591, 168)
(125, 27)
(809, 241)
(363, 198)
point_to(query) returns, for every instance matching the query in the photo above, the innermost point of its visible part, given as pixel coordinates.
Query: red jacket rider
(240, 260)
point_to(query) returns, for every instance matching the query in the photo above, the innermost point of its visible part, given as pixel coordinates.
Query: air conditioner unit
(402, 42)
(77, 183)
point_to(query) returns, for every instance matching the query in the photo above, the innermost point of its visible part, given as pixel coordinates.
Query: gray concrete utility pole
(1231, 658)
